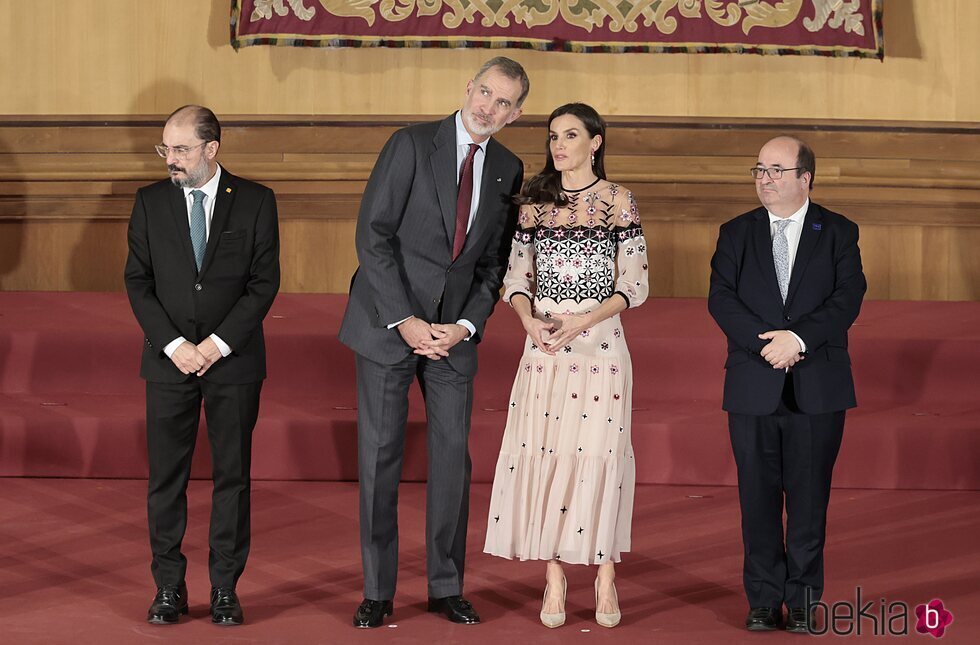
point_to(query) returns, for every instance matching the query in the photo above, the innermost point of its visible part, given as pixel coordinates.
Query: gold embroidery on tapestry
(613, 15)
(263, 9)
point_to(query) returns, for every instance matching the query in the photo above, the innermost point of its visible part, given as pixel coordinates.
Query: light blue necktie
(780, 256)
(199, 229)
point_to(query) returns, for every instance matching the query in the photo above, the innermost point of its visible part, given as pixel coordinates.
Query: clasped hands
(782, 351)
(432, 340)
(556, 332)
(196, 359)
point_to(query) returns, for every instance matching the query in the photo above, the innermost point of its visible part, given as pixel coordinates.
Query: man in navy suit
(786, 284)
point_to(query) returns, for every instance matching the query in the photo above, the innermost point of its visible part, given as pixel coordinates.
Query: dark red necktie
(463, 200)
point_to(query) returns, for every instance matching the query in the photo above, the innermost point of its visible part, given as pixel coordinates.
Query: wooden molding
(913, 187)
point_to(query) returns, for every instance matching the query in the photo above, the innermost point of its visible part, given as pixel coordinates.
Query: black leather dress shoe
(763, 619)
(169, 603)
(797, 620)
(455, 608)
(371, 613)
(225, 608)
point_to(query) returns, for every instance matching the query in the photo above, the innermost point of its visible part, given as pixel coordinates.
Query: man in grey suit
(432, 243)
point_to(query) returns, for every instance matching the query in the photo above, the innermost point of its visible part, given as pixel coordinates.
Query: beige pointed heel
(558, 619)
(607, 620)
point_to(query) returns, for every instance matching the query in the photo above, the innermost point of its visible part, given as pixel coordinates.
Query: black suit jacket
(404, 242)
(231, 295)
(824, 297)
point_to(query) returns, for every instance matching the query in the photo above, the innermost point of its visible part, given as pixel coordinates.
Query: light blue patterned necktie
(199, 230)
(780, 256)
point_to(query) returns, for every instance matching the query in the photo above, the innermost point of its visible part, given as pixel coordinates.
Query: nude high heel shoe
(607, 620)
(557, 619)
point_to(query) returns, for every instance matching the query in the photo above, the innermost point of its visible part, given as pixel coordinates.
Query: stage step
(72, 404)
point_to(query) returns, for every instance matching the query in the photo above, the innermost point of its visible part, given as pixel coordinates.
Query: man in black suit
(786, 284)
(432, 241)
(202, 272)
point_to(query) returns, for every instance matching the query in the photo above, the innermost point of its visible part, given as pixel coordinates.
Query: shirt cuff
(173, 345)
(469, 326)
(800, 341)
(395, 324)
(222, 346)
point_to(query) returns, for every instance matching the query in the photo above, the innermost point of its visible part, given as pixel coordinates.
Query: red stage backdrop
(814, 27)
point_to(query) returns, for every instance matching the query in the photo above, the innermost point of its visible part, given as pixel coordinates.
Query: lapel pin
(227, 190)
(817, 226)
(498, 178)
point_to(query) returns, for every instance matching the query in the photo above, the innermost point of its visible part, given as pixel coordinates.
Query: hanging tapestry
(806, 27)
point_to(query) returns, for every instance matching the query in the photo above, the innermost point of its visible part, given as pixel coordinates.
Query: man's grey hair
(512, 70)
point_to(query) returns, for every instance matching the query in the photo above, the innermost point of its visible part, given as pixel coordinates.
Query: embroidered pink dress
(564, 480)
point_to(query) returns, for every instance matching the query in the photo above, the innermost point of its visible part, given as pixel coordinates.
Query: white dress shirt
(793, 231)
(463, 141)
(210, 191)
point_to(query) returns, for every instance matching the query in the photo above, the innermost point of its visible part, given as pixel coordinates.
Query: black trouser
(784, 456)
(382, 410)
(173, 412)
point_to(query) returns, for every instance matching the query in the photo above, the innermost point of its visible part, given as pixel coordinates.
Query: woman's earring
(593, 157)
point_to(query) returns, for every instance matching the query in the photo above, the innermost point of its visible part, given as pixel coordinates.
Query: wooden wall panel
(963, 268)
(62, 255)
(317, 256)
(66, 192)
(126, 57)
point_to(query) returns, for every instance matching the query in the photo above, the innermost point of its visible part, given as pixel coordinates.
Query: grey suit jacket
(404, 241)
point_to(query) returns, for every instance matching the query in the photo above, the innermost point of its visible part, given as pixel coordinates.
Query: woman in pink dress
(564, 480)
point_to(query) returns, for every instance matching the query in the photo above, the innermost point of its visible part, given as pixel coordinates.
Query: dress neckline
(578, 190)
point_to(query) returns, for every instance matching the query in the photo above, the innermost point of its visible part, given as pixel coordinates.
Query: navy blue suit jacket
(826, 288)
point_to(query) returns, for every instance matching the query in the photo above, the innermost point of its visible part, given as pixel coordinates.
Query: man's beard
(481, 127)
(193, 178)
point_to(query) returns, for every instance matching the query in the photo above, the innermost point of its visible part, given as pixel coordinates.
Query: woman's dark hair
(545, 187)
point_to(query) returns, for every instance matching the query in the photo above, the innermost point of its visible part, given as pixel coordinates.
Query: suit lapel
(222, 208)
(178, 208)
(443, 163)
(762, 235)
(812, 225)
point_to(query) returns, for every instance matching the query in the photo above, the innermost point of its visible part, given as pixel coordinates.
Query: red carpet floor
(74, 568)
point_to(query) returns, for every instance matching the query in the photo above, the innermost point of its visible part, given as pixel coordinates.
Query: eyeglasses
(774, 173)
(179, 152)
